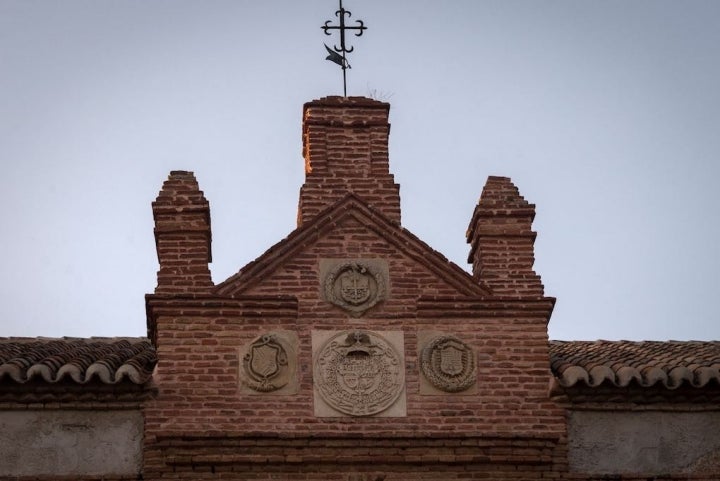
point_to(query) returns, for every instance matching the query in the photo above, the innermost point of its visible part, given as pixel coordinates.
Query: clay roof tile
(108, 360)
(645, 363)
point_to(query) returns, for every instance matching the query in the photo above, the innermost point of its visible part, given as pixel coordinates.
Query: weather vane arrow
(338, 54)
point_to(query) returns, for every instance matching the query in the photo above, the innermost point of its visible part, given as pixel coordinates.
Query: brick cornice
(193, 450)
(338, 101)
(484, 307)
(206, 305)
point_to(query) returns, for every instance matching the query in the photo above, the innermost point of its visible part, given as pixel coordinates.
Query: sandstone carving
(359, 373)
(355, 285)
(266, 364)
(448, 364)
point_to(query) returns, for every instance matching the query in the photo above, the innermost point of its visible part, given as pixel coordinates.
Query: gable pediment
(351, 229)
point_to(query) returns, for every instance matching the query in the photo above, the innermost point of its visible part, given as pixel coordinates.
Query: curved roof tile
(645, 363)
(108, 360)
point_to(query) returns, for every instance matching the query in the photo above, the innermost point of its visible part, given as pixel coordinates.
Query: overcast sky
(606, 115)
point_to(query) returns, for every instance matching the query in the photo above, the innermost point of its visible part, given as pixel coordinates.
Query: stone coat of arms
(448, 364)
(359, 373)
(355, 285)
(265, 364)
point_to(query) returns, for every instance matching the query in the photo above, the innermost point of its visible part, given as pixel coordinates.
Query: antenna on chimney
(337, 55)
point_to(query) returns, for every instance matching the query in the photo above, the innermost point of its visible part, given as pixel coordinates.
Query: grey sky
(605, 114)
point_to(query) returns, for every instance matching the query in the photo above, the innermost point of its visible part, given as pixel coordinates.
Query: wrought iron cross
(337, 55)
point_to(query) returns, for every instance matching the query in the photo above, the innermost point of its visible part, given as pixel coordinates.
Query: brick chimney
(182, 236)
(345, 146)
(502, 241)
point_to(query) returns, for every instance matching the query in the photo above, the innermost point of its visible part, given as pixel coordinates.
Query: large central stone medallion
(358, 373)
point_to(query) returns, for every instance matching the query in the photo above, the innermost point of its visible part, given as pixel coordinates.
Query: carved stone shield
(264, 360)
(451, 359)
(265, 364)
(358, 373)
(354, 287)
(448, 364)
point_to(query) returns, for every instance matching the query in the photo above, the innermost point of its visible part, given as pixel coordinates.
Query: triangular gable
(351, 206)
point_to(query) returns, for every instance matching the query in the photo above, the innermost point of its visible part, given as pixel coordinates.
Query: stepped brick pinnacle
(345, 146)
(502, 241)
(182, 235)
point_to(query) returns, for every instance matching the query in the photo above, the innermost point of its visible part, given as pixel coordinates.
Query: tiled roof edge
(76, 360)
(670, 364)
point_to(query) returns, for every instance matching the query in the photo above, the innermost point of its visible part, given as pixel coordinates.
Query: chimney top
(339, 101)
(345, 146)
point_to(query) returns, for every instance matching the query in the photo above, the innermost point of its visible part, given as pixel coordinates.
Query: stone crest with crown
(359, 373)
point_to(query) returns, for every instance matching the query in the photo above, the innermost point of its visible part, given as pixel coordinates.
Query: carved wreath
(354, 286)
(448, 364)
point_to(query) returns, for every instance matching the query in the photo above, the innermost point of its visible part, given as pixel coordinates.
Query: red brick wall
(202, 422)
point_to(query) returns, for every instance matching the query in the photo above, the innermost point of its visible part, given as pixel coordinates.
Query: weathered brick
(201, 422)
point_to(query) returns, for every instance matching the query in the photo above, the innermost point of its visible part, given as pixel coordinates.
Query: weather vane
(337, 55)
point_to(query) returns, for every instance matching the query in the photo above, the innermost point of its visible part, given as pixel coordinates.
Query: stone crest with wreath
(355, 285)
(448, 364)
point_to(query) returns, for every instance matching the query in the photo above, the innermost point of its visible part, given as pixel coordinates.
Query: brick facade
(350, 209)
(352, 351)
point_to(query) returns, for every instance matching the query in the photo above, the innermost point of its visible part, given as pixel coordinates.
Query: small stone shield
(264, 360)
(451, 359)
(355, 287)
(358, 373)
(265, 364)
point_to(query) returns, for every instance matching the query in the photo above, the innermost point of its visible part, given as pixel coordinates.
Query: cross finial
(338, 54)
